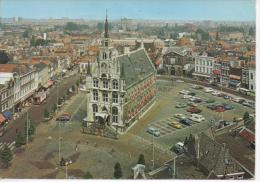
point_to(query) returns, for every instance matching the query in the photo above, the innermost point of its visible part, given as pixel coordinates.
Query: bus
(244, 91)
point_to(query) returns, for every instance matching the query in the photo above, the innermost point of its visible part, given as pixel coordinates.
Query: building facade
(119, 87)
(203, 67)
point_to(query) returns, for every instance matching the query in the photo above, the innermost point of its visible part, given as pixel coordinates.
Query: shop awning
(202, 75)
(235, 77)
(48, 84)
(2, 118)
(216, 72)
(7, 114)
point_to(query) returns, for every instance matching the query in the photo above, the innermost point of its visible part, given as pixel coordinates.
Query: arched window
(114, 115)
(115, 84)
(105, 83)
(115, 97)
(95, 95)
(95, 108)
(104, 67)
(95, 82)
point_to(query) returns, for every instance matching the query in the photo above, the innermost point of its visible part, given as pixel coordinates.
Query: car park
(179, 116)
(153, 131)
(175, 125)
(181, 105)
(197, 118)
(193, 110)
(178, 148)
(186, 122)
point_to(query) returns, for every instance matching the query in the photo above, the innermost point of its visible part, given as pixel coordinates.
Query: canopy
(7, 114)
(2, 118)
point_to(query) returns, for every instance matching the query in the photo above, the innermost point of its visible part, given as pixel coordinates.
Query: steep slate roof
(135, 66)
(216, 157)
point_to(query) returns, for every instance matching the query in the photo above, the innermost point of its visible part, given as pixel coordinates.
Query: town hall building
(120, 88)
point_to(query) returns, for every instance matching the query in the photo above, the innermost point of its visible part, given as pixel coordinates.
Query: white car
(185, 92)
(180, 116)
(215, 93)
(208, 89)
(179, 81)
(197, 118)
(186, 96)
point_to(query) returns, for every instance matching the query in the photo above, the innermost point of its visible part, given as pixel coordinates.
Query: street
(35, 112)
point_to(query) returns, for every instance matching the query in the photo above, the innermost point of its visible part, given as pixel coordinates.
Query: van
(153, 131)
(197, 118)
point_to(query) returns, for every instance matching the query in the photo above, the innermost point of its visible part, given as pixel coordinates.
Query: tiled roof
(134, 66)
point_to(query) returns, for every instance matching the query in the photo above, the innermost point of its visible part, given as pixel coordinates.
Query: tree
(88, 175)
(46, 113)
(19, 140)
(73, 88)
(100, 26)
(71, 26)
(117, 171)
(141, 159)
(6, 156)
(54, 107)
(31, 128)
(4, 57)
(246, 117)
(251, 31)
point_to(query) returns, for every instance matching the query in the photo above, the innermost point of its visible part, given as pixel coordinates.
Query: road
(224, 89)
(35, 112)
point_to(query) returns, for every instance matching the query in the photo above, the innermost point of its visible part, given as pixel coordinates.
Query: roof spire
(106, 27)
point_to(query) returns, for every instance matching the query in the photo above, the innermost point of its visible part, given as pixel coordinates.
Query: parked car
(179, 81)
(181, 105)
(175, 125)
(212, 106)
(179, 116)
(153, 131)
(185, 92)
(186, 96)
(192, 93)
(220, 109)
(228, 106)
(249, 104)
(192, 104)
(193, 110)
(208, 89)
(226, 97)
(221, 94)
(215, 93)
(238, 100)
(197, 118)
(196, 87)
(64, 117)
(210, 101)
(178, 148)
(186, 121)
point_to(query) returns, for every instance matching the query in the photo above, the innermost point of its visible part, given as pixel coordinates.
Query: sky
(223, 10)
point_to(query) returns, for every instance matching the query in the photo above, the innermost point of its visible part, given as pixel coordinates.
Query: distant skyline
(216, 10)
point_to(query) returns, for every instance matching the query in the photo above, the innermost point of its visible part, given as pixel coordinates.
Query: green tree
(100, 26)
(6, 156)
(4, 57)
(46, 113)
(117, 171)
(88, 175)
(70, 26)
(246, 117)
(141, 159)
(19, 140)
(73, 88)
(54, 107)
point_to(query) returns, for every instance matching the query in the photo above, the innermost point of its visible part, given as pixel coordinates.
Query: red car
(193, 110)
(220, 109)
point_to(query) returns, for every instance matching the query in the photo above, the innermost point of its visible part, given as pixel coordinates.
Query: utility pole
(153, 152)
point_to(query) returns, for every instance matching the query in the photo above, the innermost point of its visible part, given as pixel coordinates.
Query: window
(115, 84)
(251, 76)
(114, 115)
(95, 83)
(105, 96)
(114, 97)
(95, 95)
(105, 83)
(252, 86)
(103, 67)
(95, 108)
